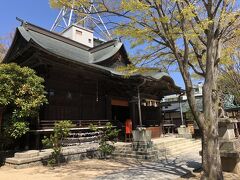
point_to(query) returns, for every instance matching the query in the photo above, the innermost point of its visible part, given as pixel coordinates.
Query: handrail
(46, 124)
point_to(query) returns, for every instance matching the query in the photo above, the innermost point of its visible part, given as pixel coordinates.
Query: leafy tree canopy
(5, 44)
(21, 94)
(3, 50)
(192, 34)
(21, 89)
(169, 28)
(229, 79)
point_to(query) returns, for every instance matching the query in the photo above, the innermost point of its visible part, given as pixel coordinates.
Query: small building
(82, 82)
(172, 105)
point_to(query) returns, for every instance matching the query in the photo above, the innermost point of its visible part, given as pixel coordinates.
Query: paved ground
(110, 169)
(165, 169)
(114, 170)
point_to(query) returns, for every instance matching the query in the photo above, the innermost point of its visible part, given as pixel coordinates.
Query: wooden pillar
(160, 116)
(37, 141)
(1, 118)
(133, 114)
(108, 108)
(27, 142)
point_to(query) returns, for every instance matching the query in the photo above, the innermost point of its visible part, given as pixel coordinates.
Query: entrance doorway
(120, 113)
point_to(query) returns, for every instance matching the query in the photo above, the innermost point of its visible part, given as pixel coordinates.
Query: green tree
(5, 43)
(190, 33)
(21, 94)
(3, 50)
(229, 78)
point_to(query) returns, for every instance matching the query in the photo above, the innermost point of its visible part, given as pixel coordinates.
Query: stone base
(27, 154)
(183, 132)
(187, 136)
(229, 145)
(35, 158)
(231, 164)
(142, 146)
(142, 135)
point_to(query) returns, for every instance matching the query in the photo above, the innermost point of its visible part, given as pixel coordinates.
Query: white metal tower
(87, 17)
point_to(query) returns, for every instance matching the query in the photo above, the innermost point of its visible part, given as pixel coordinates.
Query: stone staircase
(173, 147)
(162, 148)
(126, 151)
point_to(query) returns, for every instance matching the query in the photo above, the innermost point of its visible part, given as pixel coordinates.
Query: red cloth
(128, 126)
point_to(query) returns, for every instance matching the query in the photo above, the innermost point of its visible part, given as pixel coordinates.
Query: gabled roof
(72, 51)
(66, 47)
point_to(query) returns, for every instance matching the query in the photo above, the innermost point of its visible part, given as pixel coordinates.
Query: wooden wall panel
(151, 116)
(156, 131)
(119, 102)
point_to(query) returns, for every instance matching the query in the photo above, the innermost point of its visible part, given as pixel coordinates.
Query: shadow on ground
(162, 169)
(110, 169)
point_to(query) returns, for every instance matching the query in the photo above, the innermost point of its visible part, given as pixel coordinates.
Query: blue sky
(37, 12)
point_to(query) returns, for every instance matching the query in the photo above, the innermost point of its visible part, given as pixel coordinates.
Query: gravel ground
(165, 169)
(78, 170)
(109, 169)
(119, 169)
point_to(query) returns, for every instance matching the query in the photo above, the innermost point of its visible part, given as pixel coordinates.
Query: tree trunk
(211, 154)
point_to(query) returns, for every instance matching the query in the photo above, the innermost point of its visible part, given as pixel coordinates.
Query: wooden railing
(49, 124)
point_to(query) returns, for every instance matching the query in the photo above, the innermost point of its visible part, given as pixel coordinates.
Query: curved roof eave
(106, 52)
(69, 51)
(55, 46)
(15, 37)
(157, 76)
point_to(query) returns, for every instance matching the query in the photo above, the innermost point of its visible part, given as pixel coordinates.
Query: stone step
(136, 152)
(185, 151)
(185, 145)
(27, 154)
(170, 153)
(143, 157)
(139, 150)
(182, 148)
(152, 157)
(178, 148)
(160, 150)
(122, 145)
(176, 144)
(172, 142)
(182, 151)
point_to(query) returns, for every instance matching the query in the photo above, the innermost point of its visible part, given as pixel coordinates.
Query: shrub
(17, 129)
(60, 131)
(107, 139)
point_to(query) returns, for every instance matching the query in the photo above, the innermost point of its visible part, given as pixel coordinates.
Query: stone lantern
(229, 144)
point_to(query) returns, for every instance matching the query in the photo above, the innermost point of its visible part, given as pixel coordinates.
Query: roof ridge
(54, 35)
(103, 45)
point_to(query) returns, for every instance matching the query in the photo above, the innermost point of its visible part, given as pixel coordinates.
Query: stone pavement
(171, 168)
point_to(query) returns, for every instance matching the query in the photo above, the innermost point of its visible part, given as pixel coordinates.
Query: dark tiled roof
(73, 51)
(68, 48)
